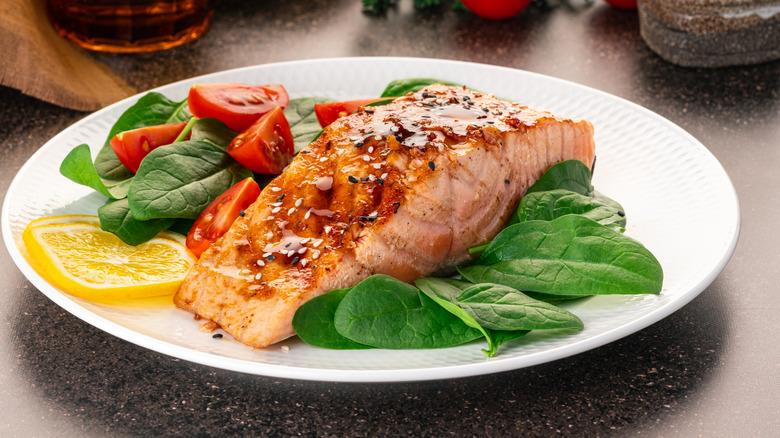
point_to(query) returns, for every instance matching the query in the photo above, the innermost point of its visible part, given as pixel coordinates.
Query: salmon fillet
(402, 189)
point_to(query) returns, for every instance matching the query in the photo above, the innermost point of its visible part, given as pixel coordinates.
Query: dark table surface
(710, 369)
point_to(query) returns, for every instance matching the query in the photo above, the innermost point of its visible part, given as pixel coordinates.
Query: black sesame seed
(358, 144)
(279, 199)
(295, 260)
(432, 165)
(380, 181)
(621, 213)
(271, 258)
(352, 179)
(242, 213)
(485, 110)
(305, 151)
(369, 111)
(288, 245)
(364, 179)
(489, 122)
(367, 218)
(217, 336)
(506, 181)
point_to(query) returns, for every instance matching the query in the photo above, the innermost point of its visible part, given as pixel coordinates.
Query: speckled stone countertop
(710, 369)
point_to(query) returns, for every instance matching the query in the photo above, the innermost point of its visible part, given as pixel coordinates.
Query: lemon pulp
(73, 253)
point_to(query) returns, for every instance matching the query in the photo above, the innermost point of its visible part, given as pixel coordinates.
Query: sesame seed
(242, 213)
(279, 199)
(327, 229)
(383, 176)
(276, 189)
(217, 336)
(305, 240)
(366, 158)
(307, 215)
(316, 242)
(285, 348)
(394, 129)
(259, 276)
(323, 159)
(506, 181)
(295, 260)
(371, 178)
(621, 213)
(352, 179)
(304, 262)
(354, 138)
(260, 263)
(377, 137)
(302, 250)
(276, 210)
(380, 181)
(290, 211)
(315, 255)
(299, 202)
(358, 144)
(432, 165)
(271, 258)
(276, 204)
(283, 252)
(269, 235)
(377, 165)
(370, 149)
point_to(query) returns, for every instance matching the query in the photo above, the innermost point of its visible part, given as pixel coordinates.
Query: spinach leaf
(115, 217)
(313, 322)
(571, 175)
(181, 179)
(77, 167)
(499, 307)
(151, 109)
(445, 291)
(303, 121)
(571, 255)
(553, 204)
(214, 131)
(399, 87)
(387, 313)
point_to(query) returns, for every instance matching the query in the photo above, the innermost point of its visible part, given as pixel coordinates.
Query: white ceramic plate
(679, 201)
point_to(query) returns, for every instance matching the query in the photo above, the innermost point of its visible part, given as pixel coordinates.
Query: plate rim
(363, 375)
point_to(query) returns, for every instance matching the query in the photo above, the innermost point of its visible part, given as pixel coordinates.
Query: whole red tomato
(496, 9)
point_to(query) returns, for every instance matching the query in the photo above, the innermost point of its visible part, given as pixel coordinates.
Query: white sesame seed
(307, 215)
(315, 255)
(383, 176)
(377, 166)
(290, 211)
(302, 250)
(370, 149)
(245, 271)
(259, 276)
(269, 235)
(317, 242)
(373, 214)
(275, 204)
(354, 138)
(305, 240)
(299, 202)
(283, 251)
(276, 210)
(366, 158)
(327, 229)
(260, 263)
(371, 177)
(394, 129)
(276, 189)
(266, 254)
(285, 348)
(377, 137)
(323, 159)
(304, 262)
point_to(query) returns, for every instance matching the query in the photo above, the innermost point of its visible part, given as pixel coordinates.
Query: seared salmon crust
(402, 189)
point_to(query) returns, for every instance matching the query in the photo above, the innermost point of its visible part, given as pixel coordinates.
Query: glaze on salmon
(402, 189)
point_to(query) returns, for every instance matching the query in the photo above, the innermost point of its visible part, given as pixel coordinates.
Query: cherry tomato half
(236, 105)
(266, 146)
(132, 146)
(496, 9)
(328, 112)
(622, 4)
(217, 218)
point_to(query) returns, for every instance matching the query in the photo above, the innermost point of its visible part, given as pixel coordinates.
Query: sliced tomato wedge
(328, 112)
(236, 105)
(217, 218)
(266, 146)
(132, 146)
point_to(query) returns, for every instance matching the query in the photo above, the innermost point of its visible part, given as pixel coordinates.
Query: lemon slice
(74, 254)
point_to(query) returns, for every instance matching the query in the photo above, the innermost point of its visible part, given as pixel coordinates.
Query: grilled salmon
(402, 189)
